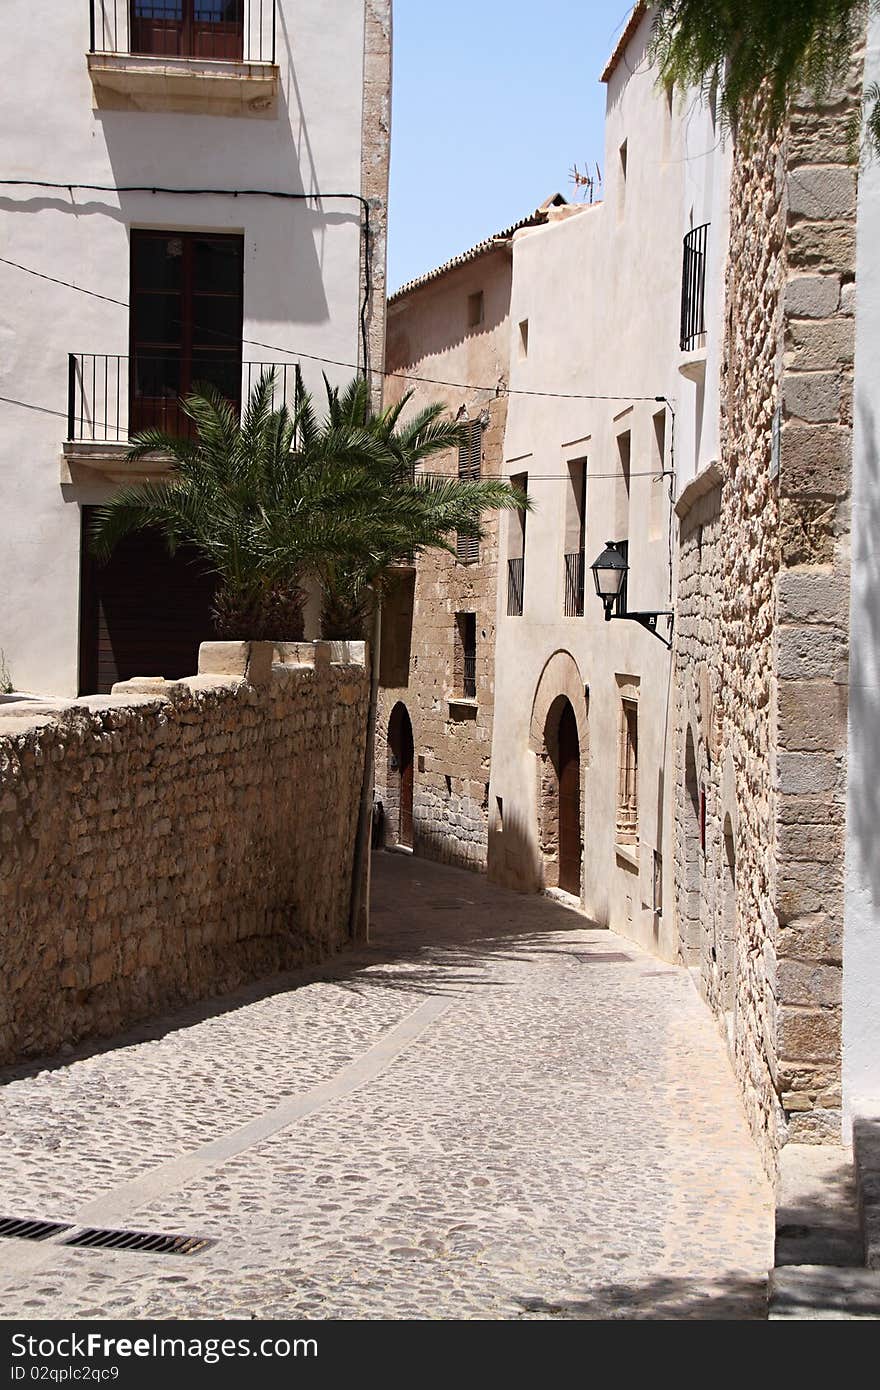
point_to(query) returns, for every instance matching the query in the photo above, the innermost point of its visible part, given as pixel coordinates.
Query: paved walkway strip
(117, 1206)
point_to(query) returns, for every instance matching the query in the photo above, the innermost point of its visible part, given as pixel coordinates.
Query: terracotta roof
(632, 24)
(482, 248)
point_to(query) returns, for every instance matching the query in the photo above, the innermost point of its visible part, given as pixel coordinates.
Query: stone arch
(560, 676)
(400, 776)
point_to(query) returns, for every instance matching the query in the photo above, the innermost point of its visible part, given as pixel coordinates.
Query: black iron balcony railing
(231, 31)
(693, 287)
(574, 584)
(469, 678)
(111, 397)
(515, 579)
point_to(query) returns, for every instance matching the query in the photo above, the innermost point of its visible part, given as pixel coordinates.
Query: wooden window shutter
(470, 459)
(470, 451)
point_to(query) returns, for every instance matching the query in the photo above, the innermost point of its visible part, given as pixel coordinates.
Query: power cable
(283, 194)
(497, 389)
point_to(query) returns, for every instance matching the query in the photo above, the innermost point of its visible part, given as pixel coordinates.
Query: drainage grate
(600, 957)
(146, 1242)
(18, 1229)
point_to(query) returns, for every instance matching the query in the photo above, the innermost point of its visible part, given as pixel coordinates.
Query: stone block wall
(812, 612)
(762, 644)
(176, 839)
(452, 737)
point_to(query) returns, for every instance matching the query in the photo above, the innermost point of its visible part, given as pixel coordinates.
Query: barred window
(628, 774)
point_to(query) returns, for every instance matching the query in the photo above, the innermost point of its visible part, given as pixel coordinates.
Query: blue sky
(493, 102)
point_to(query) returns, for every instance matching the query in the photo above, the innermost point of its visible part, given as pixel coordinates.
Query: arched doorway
(560, 810)
(569, 803)
(399, 811)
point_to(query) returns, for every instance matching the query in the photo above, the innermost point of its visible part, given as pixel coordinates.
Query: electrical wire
(496, 390)
(366, 232)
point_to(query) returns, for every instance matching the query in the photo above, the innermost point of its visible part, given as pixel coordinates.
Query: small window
(524, 339)
(516, 550)
(475, 309)
(622, 483)
(628, 774)
(499, 811)
(465, 656)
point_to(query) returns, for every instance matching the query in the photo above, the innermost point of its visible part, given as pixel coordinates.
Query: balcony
(111, 397)
(515, 582)
(201, 56)
(574, 584)
(692, 335)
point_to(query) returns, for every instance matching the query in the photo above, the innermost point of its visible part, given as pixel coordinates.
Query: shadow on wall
(513, 859)
(864, 691)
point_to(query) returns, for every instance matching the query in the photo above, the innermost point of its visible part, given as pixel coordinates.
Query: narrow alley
(494, 1111)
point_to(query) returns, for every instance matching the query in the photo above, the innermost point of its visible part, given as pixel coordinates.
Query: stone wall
(375, 165)
(434, 333)
(175, 839)
(452, 736)
(761, 663)
(812, 613)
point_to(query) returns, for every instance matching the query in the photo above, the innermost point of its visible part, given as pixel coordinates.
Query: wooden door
(569, 803)
(405, 835)
(186, 323)
(144, 613)
(211, 29)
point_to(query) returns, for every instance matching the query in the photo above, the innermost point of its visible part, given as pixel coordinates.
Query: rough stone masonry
(176, 839)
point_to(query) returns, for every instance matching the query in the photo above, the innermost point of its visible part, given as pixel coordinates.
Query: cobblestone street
(492, 1112)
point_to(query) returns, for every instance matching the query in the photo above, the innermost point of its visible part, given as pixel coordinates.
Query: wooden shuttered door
(144, 613)
(470, 460)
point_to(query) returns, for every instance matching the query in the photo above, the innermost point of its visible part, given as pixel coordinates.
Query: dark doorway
(569, 771)
(186, 323)
(144, 613)
(188, 28)
(400, 778)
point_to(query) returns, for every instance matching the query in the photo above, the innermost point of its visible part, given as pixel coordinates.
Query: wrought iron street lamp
(609, 575)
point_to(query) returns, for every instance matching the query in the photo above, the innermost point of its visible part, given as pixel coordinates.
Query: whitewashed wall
(301, 271)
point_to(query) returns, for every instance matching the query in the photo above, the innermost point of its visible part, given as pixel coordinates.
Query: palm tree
(263, 502)
(282, 497)
(402, 512)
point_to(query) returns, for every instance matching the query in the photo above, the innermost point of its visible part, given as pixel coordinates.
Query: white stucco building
(614, 380)
(861, 938)
(189, 188)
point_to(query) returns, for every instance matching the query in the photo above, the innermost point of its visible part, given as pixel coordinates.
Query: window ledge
(140, 82)
(629, 854)
(466, 701)
(87, 461)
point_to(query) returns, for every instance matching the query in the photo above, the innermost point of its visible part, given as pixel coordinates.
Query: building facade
(776, 672)
(437, 671)
(203, 192)
(614, 396)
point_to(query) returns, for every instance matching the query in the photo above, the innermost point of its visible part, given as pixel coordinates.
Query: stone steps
(827, 1254)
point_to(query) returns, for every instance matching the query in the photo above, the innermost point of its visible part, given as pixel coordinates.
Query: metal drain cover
(18, 1229)
(146, 1242)
(600, 957)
